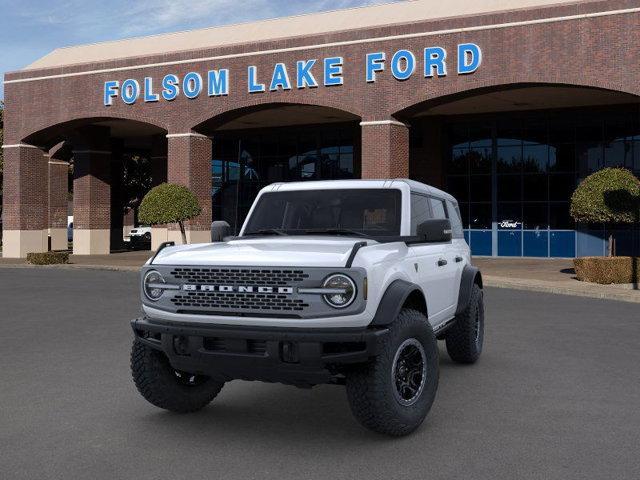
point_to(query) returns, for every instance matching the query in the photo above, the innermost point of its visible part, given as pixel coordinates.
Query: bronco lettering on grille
(238, 289)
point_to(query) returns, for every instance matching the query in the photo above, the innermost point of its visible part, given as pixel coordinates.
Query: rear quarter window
(457, 230)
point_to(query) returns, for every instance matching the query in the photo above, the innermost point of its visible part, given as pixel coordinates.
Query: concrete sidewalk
(539, 275)
(548, 275)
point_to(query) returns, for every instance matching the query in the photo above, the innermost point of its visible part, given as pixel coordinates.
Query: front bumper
(302, 357)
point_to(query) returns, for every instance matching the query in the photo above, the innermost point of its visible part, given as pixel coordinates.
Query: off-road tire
(465, 338)
(157, 382)
(370, 388)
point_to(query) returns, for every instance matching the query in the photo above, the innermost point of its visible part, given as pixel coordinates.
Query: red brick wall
(92, 190)
(25, 178)
(190, 156)
(599, 52)
(385, 151)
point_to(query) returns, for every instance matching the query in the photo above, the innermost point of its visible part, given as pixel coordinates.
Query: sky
(29, 29)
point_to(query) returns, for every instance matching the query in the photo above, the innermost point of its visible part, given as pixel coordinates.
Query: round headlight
(344, 291)
(152, 287)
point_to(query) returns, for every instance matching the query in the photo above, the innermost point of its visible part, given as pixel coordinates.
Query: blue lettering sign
(375, 63)
(130, 91)
(110, 92)
(333, 71)
(280, 78)
(218, 82)
(170, 87)
(403, 64)
(304, 77)
(434, 59)
(254, 87)
(469, 58)
(192, 85)
(149, 96)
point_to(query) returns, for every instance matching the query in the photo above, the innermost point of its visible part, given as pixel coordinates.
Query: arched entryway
(259, 145)
(513, 155)
(111, 164)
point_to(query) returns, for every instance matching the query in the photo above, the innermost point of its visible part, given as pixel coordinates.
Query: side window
(437, 206)
(419, 211)
(456, 222)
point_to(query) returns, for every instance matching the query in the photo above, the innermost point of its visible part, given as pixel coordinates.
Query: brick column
(385, 149)
(159, 233)
(25, 211)
(92, 192)
(189, 164)
(58, 191)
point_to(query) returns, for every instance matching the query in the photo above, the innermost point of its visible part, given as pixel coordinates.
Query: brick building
(506, 104)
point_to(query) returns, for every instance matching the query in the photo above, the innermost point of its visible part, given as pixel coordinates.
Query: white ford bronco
(348, 282)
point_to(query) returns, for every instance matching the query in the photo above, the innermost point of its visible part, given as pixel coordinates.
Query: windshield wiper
(336, 231)
(266, 231)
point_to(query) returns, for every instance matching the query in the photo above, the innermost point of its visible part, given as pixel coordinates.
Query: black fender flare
(392, 301)
(470, 275)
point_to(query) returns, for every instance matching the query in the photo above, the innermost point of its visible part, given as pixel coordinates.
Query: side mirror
(219, 230)
(434, 230)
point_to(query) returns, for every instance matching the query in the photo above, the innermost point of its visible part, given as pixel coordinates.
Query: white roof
(273, 29)
(357, 183)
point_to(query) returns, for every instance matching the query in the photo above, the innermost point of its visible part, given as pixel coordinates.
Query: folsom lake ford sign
(309, 73)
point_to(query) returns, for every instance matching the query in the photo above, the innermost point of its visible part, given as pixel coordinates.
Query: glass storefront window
(510, 158)
(559, 217)
(481, 188)
(619, 154)
(535, 216)
(459, 161)
(589, 157)
(509, 215)
(480, 215)
(458, 186)
(535, 158)
(562, 157)
(480, 160)
(535, 187)
(636, 157)
(561, 186)
(464, 214)
(510, 187)
(246, 161)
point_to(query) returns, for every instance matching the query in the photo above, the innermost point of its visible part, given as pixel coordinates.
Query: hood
(308, 251)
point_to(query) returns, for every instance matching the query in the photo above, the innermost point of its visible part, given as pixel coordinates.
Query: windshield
(359, 212)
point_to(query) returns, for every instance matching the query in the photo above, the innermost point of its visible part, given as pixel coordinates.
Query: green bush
(607, 270)
(48, 258)
(169, 203)
(611, 195)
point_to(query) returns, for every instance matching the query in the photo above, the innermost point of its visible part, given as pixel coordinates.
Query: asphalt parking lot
(555, 395)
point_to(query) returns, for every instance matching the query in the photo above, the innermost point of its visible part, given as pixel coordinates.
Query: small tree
(611, 195)
(169, 203)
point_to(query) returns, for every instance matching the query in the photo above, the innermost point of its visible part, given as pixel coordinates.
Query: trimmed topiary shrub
(48, 258)
(169, 203)
(607, 270)
(611, 195)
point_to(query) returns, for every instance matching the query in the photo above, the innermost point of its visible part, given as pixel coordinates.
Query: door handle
(458, 259)
(442, 262)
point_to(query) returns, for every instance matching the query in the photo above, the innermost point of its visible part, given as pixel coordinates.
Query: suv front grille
(239, 276)
(252, 347)
(238, 301)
